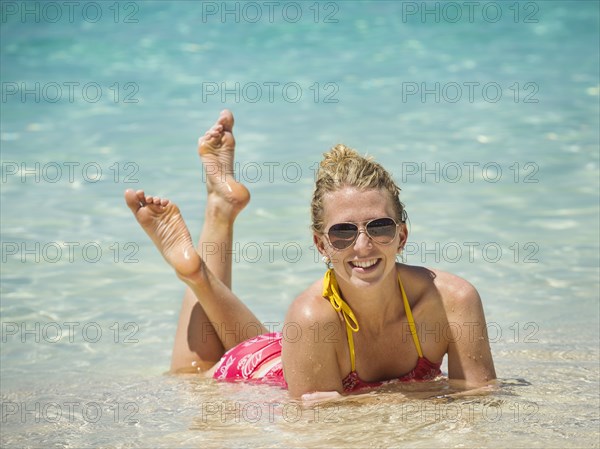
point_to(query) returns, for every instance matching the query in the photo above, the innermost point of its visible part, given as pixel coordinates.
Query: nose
(363, 240)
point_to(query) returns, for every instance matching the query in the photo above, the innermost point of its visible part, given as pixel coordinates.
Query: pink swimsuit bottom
(256, 359)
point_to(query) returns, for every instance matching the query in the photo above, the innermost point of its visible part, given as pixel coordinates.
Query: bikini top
(424, 370)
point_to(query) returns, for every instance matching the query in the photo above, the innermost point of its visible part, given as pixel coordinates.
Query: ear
(318, 240)
(403, 234)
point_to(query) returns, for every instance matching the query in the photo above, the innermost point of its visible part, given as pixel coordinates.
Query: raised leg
(196, 345)
(163, 222)
(211, 319)
(226, 197)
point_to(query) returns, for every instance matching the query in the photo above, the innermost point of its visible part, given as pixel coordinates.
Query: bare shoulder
(310, 307)
(440, 292)
(456, 292)
(425, 281)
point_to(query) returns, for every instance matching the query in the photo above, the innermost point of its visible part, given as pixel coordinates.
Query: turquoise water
(488, 120)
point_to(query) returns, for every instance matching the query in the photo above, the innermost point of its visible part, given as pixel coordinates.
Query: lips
(364, 264)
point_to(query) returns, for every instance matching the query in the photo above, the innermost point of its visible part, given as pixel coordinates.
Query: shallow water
(500, 182)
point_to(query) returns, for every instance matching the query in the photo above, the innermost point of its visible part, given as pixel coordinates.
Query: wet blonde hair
(344, 167)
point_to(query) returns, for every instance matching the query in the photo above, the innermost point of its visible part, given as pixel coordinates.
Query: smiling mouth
(364, 264)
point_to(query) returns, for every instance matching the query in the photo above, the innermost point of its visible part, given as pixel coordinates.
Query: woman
(369, 320)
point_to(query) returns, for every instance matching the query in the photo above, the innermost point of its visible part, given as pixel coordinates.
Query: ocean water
(487, 114)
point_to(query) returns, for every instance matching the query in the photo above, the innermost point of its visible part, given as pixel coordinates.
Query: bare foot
(163, 222)
(216, 148)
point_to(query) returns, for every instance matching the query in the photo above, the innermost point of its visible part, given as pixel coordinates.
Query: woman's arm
(309, 353)
(469, 354)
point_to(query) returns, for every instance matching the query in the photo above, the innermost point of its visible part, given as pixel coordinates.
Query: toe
(226, 119)
(132, 200)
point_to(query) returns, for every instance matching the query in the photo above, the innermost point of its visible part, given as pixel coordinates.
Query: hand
(320, 396)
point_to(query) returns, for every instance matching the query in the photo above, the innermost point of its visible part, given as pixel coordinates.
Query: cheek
(325, 249)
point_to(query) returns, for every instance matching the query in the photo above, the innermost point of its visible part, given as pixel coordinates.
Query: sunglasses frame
(364, 225)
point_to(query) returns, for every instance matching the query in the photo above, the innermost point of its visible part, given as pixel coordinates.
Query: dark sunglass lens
(382, 230)
(342, 235)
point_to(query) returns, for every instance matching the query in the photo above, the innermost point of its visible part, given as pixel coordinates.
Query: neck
(375, 305)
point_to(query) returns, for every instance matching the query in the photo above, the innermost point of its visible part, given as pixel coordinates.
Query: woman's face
(365, 262)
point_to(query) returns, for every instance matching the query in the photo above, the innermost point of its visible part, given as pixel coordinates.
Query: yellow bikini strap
(331, 291)
(411, 321)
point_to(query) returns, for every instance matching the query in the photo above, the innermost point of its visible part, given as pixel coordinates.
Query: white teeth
(365, 264)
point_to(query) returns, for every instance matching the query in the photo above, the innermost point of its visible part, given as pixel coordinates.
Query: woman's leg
(163, 222)
(225, 196)
(202, 338)
(197, 345)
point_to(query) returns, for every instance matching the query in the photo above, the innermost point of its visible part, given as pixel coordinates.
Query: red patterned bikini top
(423, 371)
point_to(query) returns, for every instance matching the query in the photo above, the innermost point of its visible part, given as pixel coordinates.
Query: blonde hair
(344, 167)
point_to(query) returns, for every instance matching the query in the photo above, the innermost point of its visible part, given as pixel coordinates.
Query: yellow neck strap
(331, 291)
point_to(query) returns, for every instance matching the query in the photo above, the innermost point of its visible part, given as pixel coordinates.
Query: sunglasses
(380, 230)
